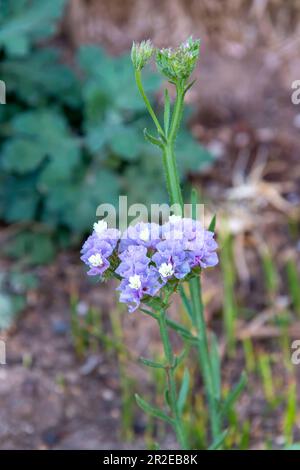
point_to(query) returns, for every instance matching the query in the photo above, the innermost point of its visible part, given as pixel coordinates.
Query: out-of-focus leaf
(152, 410)
(27, 78)
(184, 389)
(10, 306)
(33, 248)
(21, 155)
(24, 23)
(126, 143)
(191, 155)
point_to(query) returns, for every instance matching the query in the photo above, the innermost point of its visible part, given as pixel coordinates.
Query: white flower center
(135, 282)
(174, 218)
(145, 234)
(95, 260)
(166, 270)
(100, 227)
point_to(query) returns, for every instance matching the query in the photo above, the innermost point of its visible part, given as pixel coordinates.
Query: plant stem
(172, 177)
(204, 356)
(138, 80)
(169, 159)
(177, 114)
(172, 392)
(195, 284)
(173, 186)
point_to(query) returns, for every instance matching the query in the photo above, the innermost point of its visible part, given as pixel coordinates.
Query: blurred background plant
(71, 135)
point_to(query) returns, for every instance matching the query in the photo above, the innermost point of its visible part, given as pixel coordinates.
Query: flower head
(141, 53)
(148, 256)
(178, 64)
(134, 260)
(139, 279)
(184, 230)
(204, 254)
(171, 260)
(99, 247)
(95, 253)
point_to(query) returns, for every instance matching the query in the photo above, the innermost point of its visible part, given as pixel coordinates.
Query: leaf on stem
(153, 140)
(218, 441)
(189, 86)
(167, 397)
(155, 365)
(212, 224)
(186, 303)
(152, 410)
(215, 367)
(194, 202)
(234, 394)
(182, 355)
(184, 389)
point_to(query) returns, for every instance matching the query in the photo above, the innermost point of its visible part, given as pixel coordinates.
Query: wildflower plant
(152, 261)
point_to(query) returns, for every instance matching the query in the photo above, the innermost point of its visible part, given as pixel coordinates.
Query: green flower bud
(141, 53)
(178, 64)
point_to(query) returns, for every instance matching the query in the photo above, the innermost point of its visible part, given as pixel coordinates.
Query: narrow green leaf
(293, 284)
(184, 389)
(153, 140)
(212, 224)
(186, 302)
(167, 397)
(179, 329)
(194, 202)
(218, 441)
(149, 363)
(167, 112)
(152, 410)
(189, 86)
(148, 312)
(184, 332)
(215, 367)
(182, 355)
(234, 394)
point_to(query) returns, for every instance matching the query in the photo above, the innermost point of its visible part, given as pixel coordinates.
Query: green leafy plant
(70, 135)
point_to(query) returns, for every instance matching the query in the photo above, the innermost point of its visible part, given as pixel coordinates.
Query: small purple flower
(134, 260)
(142, 234)
(171, 260)
(184, 230)
(139, 279)
(134, 288)
(98, 248)
(204, 254)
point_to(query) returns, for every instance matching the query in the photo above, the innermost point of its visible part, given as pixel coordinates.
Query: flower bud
(141, 53)
(178, 64)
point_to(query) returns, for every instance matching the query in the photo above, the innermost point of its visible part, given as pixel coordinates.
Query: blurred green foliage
(71, 134)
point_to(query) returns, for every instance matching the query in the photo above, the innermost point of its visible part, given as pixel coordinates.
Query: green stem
(172, 177)
(169, 159)
(204, 356)
(138, 79)
(195, 284)
(173, 186)
(172, 392)
(177, 114)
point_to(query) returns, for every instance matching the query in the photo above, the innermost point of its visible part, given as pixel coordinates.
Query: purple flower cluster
(139, 278)
(149, 255)
(99, 247)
